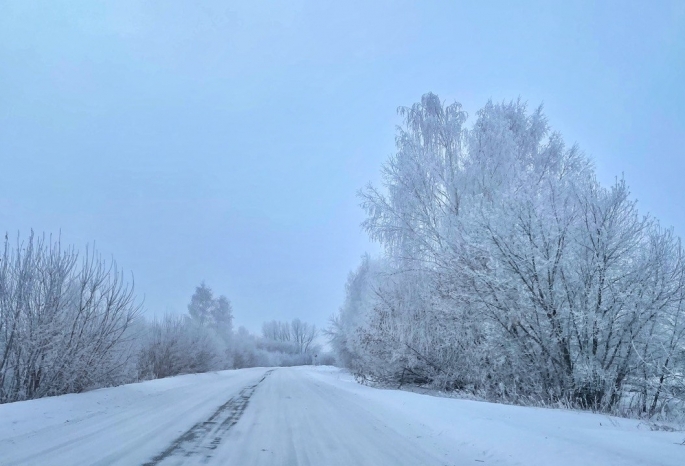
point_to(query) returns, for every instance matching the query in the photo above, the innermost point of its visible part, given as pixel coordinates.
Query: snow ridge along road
(205, 436)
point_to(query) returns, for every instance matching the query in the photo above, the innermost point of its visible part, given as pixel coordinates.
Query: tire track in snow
(205, 436)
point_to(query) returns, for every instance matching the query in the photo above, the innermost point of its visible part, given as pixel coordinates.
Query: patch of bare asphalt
(205, 436)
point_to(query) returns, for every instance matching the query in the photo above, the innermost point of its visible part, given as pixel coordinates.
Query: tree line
(510, 272)
(71, 322)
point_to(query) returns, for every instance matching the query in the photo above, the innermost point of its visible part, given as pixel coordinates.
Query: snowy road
(310, 416)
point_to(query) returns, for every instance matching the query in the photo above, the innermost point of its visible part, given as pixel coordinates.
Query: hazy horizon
(223, 143)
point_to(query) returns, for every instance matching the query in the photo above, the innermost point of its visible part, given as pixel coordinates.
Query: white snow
(317, 416)
(123, 425)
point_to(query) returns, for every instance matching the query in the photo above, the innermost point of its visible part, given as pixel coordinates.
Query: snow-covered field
(311, 416)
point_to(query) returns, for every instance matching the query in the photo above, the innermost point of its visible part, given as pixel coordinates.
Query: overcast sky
(225, 141)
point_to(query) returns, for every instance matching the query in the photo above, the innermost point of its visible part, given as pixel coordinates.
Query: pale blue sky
(226, 141)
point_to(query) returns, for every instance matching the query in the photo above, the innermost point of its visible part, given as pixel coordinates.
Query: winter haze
(226, 141)
(342, 233)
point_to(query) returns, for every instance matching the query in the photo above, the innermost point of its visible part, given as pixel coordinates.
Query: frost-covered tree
(222, 315)
(179, 345)
(201, 304)
(303, 335)
(277, 331)
(510, 271)
(200, 341)
(282, 343)
(65, 321)
(296, 334)
(204, 340)
(207, 310)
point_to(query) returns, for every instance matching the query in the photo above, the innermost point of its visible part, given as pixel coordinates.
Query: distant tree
(303, 334)
(202, 304)
(177, 344)
(270, 330)
(297, 335)
(277, 331)
(222, 314)
(207, 310)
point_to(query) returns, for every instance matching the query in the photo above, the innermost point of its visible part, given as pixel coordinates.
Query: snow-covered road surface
(311, 416)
